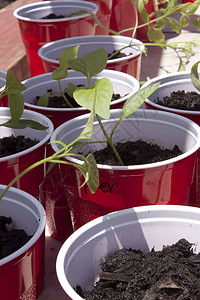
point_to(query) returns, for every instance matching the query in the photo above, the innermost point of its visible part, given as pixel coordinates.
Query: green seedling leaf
(23, 123)
(134, 102)
(12, 83)
(70, 89)
(187, 48)
(195, 22)
(44, 100)
(100, 94)
(156, 36)
(87, 132)
(90, 172)
(196, 41)
(16, 103)
(173, 24)
(68, 54)
(143, 11)
(60, 73)
(195, 76)
(160, 24)
(183, 21)
(90, 64)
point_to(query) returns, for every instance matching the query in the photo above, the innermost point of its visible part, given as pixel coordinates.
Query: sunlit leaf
(156, 36)
(135, 101)
(195, 75)
(100, 95)
(183, 21)
(24, 123)
(143, 11)
(68, 54)
(195, 22)
(173, 24)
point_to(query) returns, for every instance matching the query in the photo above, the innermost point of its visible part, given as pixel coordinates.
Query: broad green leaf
(173, 24)
(23, 123)
(134, 102)
(196, 41)
(143, 11)
(183, 21)
(104, 93)
(12, 83)
(195, 22)
(195, 76)
(190, 8)
(90, 172)
(187, 48)
(70, 89)
(100, 95)
(16, 104)
(87, 132)
(156, 36)
(68, 54)
(90, 64)
(10, 78)
(44, 100)
(160, 24)
(60, 73)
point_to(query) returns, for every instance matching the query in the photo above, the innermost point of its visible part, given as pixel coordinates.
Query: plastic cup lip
(41, 219)
(178, 77)
(111, 74)
(141, 113)
(81, 5)
(49, 132)
(90, 40)
(101, 224)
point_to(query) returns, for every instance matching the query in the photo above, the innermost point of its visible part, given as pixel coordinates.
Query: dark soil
(10, 240)
(173, 273)
(56, 101)
(11, 145)
(181, 100)
(54, 16)
(135, 153)
(117, 54)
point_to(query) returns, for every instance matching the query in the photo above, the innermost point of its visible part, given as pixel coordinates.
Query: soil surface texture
(10, 240)
(135, 153)
(181, 100)
(12, 145)
(117, 54)
(173, 273)
(56, 101)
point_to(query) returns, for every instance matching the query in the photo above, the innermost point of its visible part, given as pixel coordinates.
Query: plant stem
(68, 103)
(109, 141)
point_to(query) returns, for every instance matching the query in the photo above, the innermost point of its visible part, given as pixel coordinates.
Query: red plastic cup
(4, 100)
(13, 165)
(160, 183)
(169, 83)
(123, 17)
(22, 269)
(130, 64)
(103, 14)
(52, 192)
(35, 32)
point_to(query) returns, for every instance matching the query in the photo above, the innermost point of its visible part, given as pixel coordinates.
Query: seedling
(175, 16)
(96, 98)
(12, 90)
